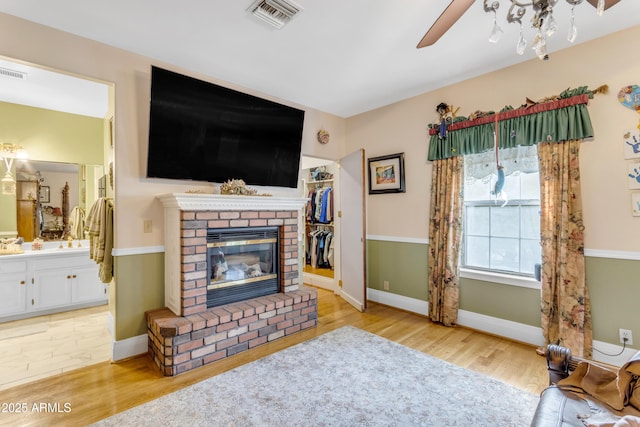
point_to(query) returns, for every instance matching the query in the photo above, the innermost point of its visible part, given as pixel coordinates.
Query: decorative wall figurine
(447, 114)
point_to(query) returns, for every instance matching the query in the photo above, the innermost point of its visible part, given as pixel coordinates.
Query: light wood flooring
(103, 389)
(43, 346)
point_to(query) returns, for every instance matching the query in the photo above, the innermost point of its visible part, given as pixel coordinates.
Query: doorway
(339, 263)
(321, 237)
(37, 341)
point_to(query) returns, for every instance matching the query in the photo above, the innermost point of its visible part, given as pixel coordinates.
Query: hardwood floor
(89, 394)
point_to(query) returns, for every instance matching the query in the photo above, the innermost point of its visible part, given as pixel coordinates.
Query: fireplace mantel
(213, 211)
(224, 202)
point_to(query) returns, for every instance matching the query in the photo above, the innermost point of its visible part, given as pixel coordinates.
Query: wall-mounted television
(201, 131)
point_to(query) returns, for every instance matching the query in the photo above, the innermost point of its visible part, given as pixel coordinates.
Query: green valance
(554, 121)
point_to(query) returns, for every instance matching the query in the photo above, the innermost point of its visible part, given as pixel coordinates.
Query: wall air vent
(275, 12)
(7, 72)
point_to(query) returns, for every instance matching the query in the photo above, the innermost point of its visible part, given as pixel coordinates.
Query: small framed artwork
(45, 194)
(635, 204)
(386, 174)
(634, 176)
(632, 144)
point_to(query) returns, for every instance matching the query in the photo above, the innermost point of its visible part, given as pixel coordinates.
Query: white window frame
(494, 275)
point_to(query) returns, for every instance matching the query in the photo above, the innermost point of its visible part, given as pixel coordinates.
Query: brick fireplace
(186, 333)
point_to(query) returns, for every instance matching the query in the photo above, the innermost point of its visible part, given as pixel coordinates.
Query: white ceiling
(339, 56)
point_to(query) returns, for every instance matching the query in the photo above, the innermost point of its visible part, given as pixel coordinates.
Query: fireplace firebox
(242, 263)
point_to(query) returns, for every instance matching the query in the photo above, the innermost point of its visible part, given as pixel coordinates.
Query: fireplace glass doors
(242, 263)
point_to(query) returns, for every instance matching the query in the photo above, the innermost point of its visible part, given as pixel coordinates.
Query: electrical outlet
(385, 285)
(148, 226)
(625, 334)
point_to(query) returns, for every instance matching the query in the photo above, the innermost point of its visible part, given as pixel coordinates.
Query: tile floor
(39, 347)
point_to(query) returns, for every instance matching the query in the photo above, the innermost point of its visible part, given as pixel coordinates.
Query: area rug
(347, 377)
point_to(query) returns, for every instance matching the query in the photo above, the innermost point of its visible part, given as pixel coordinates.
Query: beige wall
(606, 198)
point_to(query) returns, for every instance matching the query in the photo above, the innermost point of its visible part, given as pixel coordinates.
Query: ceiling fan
(457, 8)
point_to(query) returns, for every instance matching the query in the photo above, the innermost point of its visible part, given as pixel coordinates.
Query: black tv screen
(204, 132)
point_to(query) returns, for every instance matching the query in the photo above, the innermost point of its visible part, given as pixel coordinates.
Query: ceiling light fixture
(542, 21)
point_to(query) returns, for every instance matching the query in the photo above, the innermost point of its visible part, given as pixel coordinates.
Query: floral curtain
(445, 235)
(566, 313)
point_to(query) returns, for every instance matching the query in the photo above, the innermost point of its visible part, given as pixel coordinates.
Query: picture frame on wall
(635, 204)
(634, 176)
(45, 194)
(386, 174)
(632, 144)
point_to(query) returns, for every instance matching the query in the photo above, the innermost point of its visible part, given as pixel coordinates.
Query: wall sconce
(9, 152)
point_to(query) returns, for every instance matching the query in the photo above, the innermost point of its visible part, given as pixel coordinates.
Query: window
(502, 234)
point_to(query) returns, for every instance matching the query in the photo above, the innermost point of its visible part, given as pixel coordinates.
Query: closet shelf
(320, 181)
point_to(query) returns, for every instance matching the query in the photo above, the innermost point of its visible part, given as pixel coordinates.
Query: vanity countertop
(50, 249)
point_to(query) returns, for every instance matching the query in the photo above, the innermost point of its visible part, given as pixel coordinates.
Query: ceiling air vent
(7, 72)
(275, 12)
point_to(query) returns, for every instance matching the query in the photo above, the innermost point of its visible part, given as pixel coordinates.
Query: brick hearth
(178, 344)
(185, 334)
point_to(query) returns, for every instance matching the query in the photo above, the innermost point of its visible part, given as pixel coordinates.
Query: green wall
(51, 135)
(139, 287)
(403, 265)
(613, 286)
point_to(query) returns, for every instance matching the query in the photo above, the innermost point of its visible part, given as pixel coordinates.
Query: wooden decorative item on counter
(65, 211)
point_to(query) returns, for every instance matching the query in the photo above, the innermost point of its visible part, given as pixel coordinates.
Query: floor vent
(13, 73)
(275, 12)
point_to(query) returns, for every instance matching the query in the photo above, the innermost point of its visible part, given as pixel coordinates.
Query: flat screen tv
(204, 132)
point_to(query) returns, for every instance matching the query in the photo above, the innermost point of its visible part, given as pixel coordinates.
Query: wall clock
(323, 136)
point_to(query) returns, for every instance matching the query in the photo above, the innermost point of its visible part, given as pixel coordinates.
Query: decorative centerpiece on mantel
(239, 187)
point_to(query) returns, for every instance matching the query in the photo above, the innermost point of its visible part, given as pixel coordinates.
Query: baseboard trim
(611, 349)
(320, 281)
(505, 328)
(129, 347)
(413, 305)
(354, 302)
(500, 327)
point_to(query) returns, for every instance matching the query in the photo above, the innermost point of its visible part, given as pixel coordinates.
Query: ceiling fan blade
(607, 3)
(451, 14)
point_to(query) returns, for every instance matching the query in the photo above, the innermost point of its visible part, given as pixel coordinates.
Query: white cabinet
(50, 289)
(42, 282)
(13, 287)
(86, 286)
